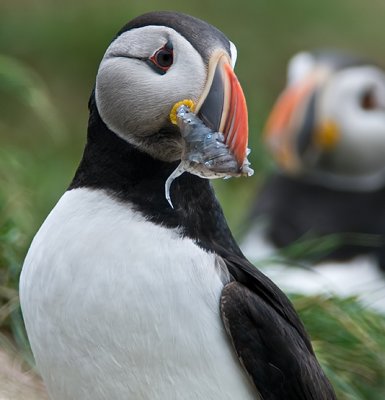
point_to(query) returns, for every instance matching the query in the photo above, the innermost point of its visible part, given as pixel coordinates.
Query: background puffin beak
(291, 123)
(222, 106)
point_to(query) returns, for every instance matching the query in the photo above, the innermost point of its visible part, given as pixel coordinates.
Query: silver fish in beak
(205, 152)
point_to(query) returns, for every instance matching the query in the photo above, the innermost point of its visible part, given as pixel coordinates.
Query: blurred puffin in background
(326, 133)
(126, 297)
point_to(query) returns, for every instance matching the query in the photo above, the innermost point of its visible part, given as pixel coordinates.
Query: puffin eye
(162, 59)
(368, 100)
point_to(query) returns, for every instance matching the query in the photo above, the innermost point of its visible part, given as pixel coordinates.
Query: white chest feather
(119, 308)
(358, 277)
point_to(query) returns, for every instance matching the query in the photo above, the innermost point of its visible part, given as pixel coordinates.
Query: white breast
(358, 277)
(117, 307)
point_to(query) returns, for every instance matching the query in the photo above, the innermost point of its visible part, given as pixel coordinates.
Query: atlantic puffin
(126, 297)
(326, 133)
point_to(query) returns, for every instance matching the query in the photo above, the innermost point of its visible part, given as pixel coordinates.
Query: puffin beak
(222, 106)
(291, 123)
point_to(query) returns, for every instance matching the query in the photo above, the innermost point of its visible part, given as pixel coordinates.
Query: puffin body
(126, 297)
(326, 135)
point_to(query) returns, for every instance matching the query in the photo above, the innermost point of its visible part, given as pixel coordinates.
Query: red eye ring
(163, 58)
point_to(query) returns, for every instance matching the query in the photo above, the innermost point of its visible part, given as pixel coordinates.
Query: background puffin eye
(368, 100)
(162, 59)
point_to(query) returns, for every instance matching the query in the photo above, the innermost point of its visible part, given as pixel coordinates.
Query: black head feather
(203, 36)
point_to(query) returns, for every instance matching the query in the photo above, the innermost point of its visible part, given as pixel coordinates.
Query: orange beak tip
(235, 127)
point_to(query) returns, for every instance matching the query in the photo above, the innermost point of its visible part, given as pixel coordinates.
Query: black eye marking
(162, 59)
(368, 100)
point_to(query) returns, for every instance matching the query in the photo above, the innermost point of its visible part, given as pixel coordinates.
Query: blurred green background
(49, 55)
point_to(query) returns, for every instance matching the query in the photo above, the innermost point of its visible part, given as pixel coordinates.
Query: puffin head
(157, 60)
(329, 122)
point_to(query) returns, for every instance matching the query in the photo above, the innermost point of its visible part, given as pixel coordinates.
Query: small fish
(204, 152)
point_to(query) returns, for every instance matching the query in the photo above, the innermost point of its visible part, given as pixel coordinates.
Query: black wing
(269, 337)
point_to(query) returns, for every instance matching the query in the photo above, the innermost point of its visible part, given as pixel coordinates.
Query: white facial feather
(361, 148)
(135, 100)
